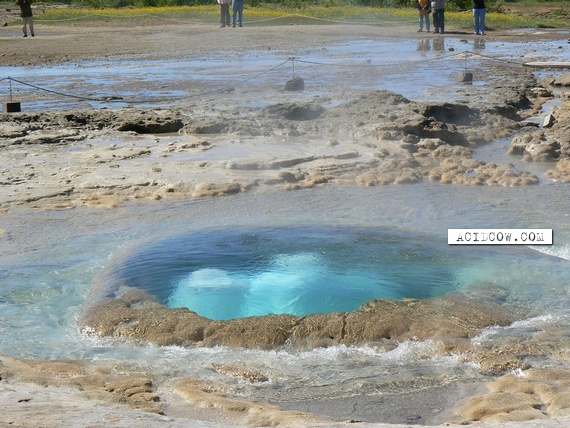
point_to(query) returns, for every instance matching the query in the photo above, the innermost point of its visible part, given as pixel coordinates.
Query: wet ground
(424, 69)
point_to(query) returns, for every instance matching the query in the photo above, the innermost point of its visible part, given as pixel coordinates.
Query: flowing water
(335, 246)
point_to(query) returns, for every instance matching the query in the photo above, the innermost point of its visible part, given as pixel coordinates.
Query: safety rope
(185, 21)
(119, 99)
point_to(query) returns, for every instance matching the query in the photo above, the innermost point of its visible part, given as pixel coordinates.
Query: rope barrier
(185, 21)
(120, 99)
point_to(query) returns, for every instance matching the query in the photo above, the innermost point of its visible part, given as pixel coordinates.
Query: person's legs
(442, 21)
(436, 25)
(479, 21)
(25, 26)
(31, 25)
(228, 14)
(421, 21)
(225, 12)
(238, 12)
(476, 17)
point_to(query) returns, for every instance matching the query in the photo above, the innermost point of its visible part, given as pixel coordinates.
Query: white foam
(560, 251)
(534, 322)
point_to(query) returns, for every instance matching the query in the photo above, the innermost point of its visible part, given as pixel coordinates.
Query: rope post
(293, 63)
(465, 76)
(11, 106)
(296, 83)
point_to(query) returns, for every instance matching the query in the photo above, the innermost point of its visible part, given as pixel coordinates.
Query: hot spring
(393, 243)
(232, 273)
(225, 274)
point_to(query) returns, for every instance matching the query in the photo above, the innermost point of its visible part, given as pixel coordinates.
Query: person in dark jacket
(438, 8)
(479, 12)
(27, 16)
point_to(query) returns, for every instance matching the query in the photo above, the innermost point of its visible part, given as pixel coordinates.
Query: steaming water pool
(231, 273)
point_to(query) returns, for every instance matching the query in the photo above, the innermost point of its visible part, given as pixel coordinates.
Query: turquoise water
(49, 259)
(231, 273)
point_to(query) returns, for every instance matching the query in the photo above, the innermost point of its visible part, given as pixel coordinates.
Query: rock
(536, 147)
(295, 84)
(465, 77)
(548, 121)
(294, 111)
(562, 80)
(457, 114)
(446, 150)
(561, 172)
(542, 152)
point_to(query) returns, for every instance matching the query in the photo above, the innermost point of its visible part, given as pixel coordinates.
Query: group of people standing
(237, 8)
(425, 7)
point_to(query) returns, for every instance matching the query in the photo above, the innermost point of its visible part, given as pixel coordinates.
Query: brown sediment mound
(535, 394)
(202, 395)
(136, 315)
(106, 383)
(112, 385)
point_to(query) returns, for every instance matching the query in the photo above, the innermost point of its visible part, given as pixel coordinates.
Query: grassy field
(526, 14)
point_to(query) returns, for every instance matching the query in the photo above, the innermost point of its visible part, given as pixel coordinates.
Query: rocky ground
(52, 160)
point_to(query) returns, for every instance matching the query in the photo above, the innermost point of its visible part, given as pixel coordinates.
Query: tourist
(225, 12)
(238, 10)
(479, 11)
(424, 10)
(27, 16)
(438, 8)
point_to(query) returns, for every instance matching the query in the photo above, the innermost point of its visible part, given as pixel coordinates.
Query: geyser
(233, 273)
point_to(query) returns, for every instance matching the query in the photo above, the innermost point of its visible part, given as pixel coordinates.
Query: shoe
(240, 25)
(222, 26)
(436, 31)
(234, 26)
(25, 35)
(420, 30)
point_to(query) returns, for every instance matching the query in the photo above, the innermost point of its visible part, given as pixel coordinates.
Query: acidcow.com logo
(499, 236)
